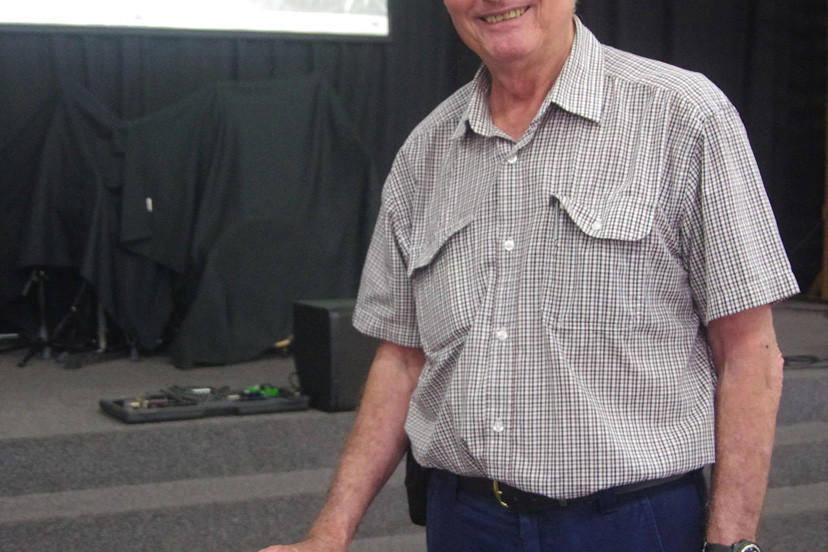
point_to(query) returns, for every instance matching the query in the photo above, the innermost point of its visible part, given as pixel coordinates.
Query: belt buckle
(531, 505)
(498, 494)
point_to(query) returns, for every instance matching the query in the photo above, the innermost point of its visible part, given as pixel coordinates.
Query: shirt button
(502, 335)
(498, 426)
(509, 245)
(512, 160)
(597, 225)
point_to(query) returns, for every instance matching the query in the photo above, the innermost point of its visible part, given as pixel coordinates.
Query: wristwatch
(741, 546)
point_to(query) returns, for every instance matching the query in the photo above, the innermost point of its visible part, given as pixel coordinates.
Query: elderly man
(571, 277)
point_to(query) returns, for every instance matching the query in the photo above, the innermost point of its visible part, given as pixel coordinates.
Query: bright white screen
(341, 17)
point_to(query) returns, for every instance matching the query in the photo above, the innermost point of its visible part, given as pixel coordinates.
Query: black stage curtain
(768, 56)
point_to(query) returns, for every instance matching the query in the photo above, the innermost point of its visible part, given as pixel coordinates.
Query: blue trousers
(666, 518)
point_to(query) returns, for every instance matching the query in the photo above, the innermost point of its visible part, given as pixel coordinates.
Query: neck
(519, 89)
(515, 100)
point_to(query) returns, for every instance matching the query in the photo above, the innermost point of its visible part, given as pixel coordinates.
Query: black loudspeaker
(332, 358)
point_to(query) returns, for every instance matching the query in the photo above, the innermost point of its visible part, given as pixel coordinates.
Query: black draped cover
(219, 210)
(254, 195)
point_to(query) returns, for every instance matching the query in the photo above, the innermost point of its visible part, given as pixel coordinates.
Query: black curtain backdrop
(768, 57)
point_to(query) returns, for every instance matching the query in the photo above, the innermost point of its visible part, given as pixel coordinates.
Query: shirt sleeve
(385, 306)
(733, 251)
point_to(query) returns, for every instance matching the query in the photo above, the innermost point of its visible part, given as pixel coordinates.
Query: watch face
(748, 547)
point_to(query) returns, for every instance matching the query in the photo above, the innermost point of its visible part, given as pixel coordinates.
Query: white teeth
(504, 16)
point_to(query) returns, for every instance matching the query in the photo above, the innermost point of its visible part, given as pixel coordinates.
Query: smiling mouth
(514, 14)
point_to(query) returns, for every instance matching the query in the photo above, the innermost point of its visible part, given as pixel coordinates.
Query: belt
(516, 499)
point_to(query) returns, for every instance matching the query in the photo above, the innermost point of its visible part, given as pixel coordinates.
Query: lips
(513, 14)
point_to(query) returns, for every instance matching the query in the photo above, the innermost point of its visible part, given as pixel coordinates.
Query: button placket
(498, 383)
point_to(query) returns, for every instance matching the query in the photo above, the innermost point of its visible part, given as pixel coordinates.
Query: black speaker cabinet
(332, 358)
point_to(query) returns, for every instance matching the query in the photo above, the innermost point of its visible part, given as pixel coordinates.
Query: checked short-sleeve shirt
(560, 285)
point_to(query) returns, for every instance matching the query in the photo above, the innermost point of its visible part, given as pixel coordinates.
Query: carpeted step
(414, 542)
(171, 451)
(241, 513)
(794, 519)
(800, 455)
(238, 483)
(803, 396)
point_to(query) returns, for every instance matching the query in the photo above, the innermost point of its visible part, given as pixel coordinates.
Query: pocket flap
(435, 239)
(629, 218)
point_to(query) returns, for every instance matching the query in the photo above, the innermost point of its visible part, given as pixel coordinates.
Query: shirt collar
(578, 90)
(580, 86)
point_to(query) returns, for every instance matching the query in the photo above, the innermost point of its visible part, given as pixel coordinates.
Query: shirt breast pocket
(445, 277)
(601, 268)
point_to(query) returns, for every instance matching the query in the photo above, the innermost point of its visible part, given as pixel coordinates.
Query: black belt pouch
(416, 486)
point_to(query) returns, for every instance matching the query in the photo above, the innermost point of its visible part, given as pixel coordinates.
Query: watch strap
(741, 546)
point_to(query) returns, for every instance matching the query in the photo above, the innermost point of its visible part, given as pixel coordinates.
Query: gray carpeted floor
(44, 398)
(137, 487)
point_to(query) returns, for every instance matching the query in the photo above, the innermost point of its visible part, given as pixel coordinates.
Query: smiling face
(514, 31)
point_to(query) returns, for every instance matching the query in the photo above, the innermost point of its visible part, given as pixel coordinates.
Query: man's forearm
(375, 446)
(747, 399)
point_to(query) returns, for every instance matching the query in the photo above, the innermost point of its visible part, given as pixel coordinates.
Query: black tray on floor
(168, 406)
